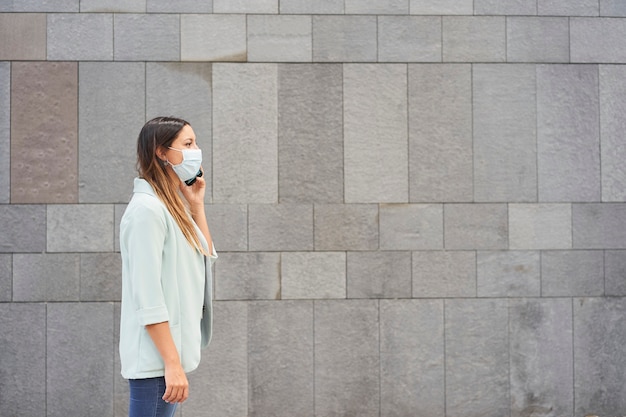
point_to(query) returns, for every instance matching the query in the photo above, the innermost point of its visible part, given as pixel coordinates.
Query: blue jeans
(146, 398)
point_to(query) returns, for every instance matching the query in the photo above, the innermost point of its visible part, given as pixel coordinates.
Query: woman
(166, 292)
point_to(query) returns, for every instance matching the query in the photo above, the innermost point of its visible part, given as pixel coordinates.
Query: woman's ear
(161, 153)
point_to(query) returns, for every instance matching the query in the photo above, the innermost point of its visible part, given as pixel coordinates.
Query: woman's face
(186, 139)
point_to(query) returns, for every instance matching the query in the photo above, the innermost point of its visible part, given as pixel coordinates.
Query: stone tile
(23, 36)
(311, 7)
(245, 133)
(274, 38)
(57, 6)
(229, 226)
(119, 212)
(344, 38)
(280, 358)
(100, 277)
(505, 133)
(568, 8)
(598, 40)
(313, 275)
(23, 228)
(245, 6)
(474, 39)
(440, 143)
(379, 275)
(506, 7)
(409, 39)
(80, 228)
(147, 37)
(347, 363)
(113, 6)
(206, 37)
(79, 337)
(346, 227)
(615, 272)
(23, 359)
(475, 226)
(615, 8)
(377, 7)
(612, 125)
(375, 136)
(6, 277)
(247, 276)
(310, 133)
(508, 274)
(568, 142)
(439, 274)
(46, 277)
(537, 39)
(280, 227)
(572, 273)
(411, 226)
(599, 330)
(441, 7)
(121, 391)
(80, 37)
(599, 226)
(476, 335)
(109, 120)
(44, 117)
(180, 6)
(540, 226)
(542, 362)
(5, 132)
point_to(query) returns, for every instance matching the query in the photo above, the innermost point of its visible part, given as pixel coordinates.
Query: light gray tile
(409, 39)
(599, 226)
(245, 6)
(118, 6)
(375, 136)
(475, 226)
(411, 226)
(247, 276)
(313, 275)
(379, 274)
(280, 227)
(505, 7)
(57, 6)
(119, 212)
(377, 7)
(80, 37)
(412, 366)
(440, 142)
(280, 358)
(598, 40)
(347, 363)
(147, 37)
(442, 7)
(5, 132)
(310, 133)
(23, 228)
(121, 391)
(179, 6)
(344, 38)
(205, 37)
(439, 274)
(229, 226)
(46, 277)
(346, 226)
(80, 228)
(274, 38)
(474, 39)
(572, 273)
(540, 226)
(100, 277)
(568, 8)
(537, 39)
(245, 136)
(6, 277)
(311, 7)
(23, 36)
(615, 272)
(508, 274)
(505, 133)
(615, 8)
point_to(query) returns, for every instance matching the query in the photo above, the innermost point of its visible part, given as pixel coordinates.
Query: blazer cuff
(152, 315)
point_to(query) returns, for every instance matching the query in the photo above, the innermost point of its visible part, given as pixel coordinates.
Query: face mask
(189, 168)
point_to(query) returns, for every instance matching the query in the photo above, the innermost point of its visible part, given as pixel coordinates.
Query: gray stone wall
(420, 205)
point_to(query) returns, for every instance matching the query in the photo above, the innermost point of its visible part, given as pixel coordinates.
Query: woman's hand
(194, 194)
(176, 384)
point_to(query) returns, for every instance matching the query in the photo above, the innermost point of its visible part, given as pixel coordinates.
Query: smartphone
(193, 180)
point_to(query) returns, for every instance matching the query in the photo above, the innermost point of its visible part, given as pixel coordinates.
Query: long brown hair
(161, 131)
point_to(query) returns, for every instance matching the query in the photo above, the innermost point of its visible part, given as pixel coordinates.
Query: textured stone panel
(477, 358)
(80, 37)
(213, 38)
(378, 7)
(568, 8)
(44, 128)
(23, 359)
(280, 227)
(23, 228)
(179, 6)
(612, 127)
(505, 134)
(245, 6)
(474, 39)
(568, 142)
(79, 345)
(23, 36)
(615, 272)
(379, 274)
(119, 212)
(347, 364)
(599, 226)
(80, 228)
(280, 358)
(121, 391)
(245, 136)
(344, 38)
(109, 121)
(615, 8)
(411, 226)
(119, 6)
(280, 38)
(440, 142)
(441, 7)
(100, 277)
(39, 6)
(537, 39)
(6, 273)
(411, 358)
(541, 357)
(508, 274)
(311, 7)
(229, 226)
(409, 39)
(247, 276)
(599, 329)
(572, 273)
(313, 275)
(540, 226)
(46, 277)
(146, 37)
(438, 274)
(375, 136)
(505, 7)
(598, 40)
(5, 132)
(475, 226)
(346, 227)
(310, 133)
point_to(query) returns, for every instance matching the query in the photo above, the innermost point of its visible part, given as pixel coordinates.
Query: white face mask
(189, 168)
